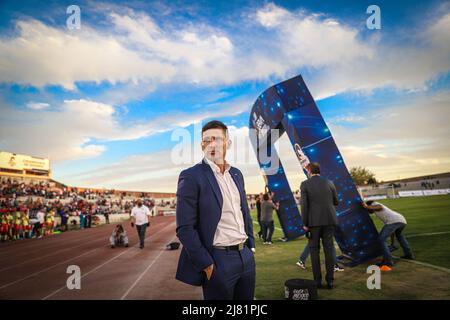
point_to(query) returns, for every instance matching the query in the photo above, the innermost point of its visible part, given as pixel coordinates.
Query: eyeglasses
(208, 140)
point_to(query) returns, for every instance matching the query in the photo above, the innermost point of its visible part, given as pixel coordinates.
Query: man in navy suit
(214, 223)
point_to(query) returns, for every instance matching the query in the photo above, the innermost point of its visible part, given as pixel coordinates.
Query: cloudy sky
(110, 102)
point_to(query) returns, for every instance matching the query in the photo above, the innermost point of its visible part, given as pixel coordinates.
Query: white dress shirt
(230, 230)
(40, 216)
(140, 214)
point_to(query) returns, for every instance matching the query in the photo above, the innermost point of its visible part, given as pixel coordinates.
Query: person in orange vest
(17, 225)
(26, 228)
(4, 227)
(49, 222)
(10, 220)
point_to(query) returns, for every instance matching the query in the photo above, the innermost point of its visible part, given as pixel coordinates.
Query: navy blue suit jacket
(199, 209)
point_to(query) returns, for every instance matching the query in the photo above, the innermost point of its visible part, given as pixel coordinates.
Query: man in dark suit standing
(318, 201)
(214, 223)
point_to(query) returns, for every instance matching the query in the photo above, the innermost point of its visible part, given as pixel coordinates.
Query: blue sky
(103, 101)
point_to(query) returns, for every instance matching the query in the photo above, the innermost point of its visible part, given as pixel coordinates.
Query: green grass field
(428, 278)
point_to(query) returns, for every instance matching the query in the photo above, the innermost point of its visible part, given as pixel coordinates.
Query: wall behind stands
(421, 193)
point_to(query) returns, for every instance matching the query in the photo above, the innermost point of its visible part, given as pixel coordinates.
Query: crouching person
(118, 237)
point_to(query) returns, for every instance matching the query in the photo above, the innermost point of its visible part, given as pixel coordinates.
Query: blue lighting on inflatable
(289, 107)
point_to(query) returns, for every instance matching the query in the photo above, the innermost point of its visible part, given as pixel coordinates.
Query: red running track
(36, 269)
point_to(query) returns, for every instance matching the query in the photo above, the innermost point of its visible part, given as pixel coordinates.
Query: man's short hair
(215, 124)
(369, 203)
(266, 196)
(314, 168)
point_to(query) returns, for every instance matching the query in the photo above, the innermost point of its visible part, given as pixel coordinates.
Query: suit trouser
(233, 276)
(141, 233)
(304, 255)
(325, 233)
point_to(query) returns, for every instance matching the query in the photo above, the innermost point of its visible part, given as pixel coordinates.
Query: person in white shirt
(140, 215)
(394, 223)
(40, 216)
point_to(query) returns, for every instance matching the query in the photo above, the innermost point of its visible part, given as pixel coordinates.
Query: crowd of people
(29, 210)
(13, 189)
(22, 222)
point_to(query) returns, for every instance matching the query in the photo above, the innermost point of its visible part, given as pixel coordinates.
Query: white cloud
(135, 172)
(271, 15)
(67, 132)
(37, 105)
(347, 118)
(412, 141)
(158, 171)
(310, 40)
(63, 133)
(136, 49)
(43, 55)
(140, 54)
(338, 60)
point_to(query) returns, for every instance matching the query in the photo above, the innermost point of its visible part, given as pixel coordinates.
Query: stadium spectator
(4, 227)
(267, 207)
(88, 219)
(82, 219)
(17, 225)
(26, 228)
(40, 224)
(64, 219)
(10, 219)
(106, 214)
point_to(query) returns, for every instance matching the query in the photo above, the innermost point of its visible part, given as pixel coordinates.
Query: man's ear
(228, 144)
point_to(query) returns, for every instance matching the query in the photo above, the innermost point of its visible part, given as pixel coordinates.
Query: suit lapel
(213, 182)
(237, 181)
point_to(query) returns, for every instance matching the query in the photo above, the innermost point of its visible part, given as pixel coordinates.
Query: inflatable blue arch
(289, 107)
